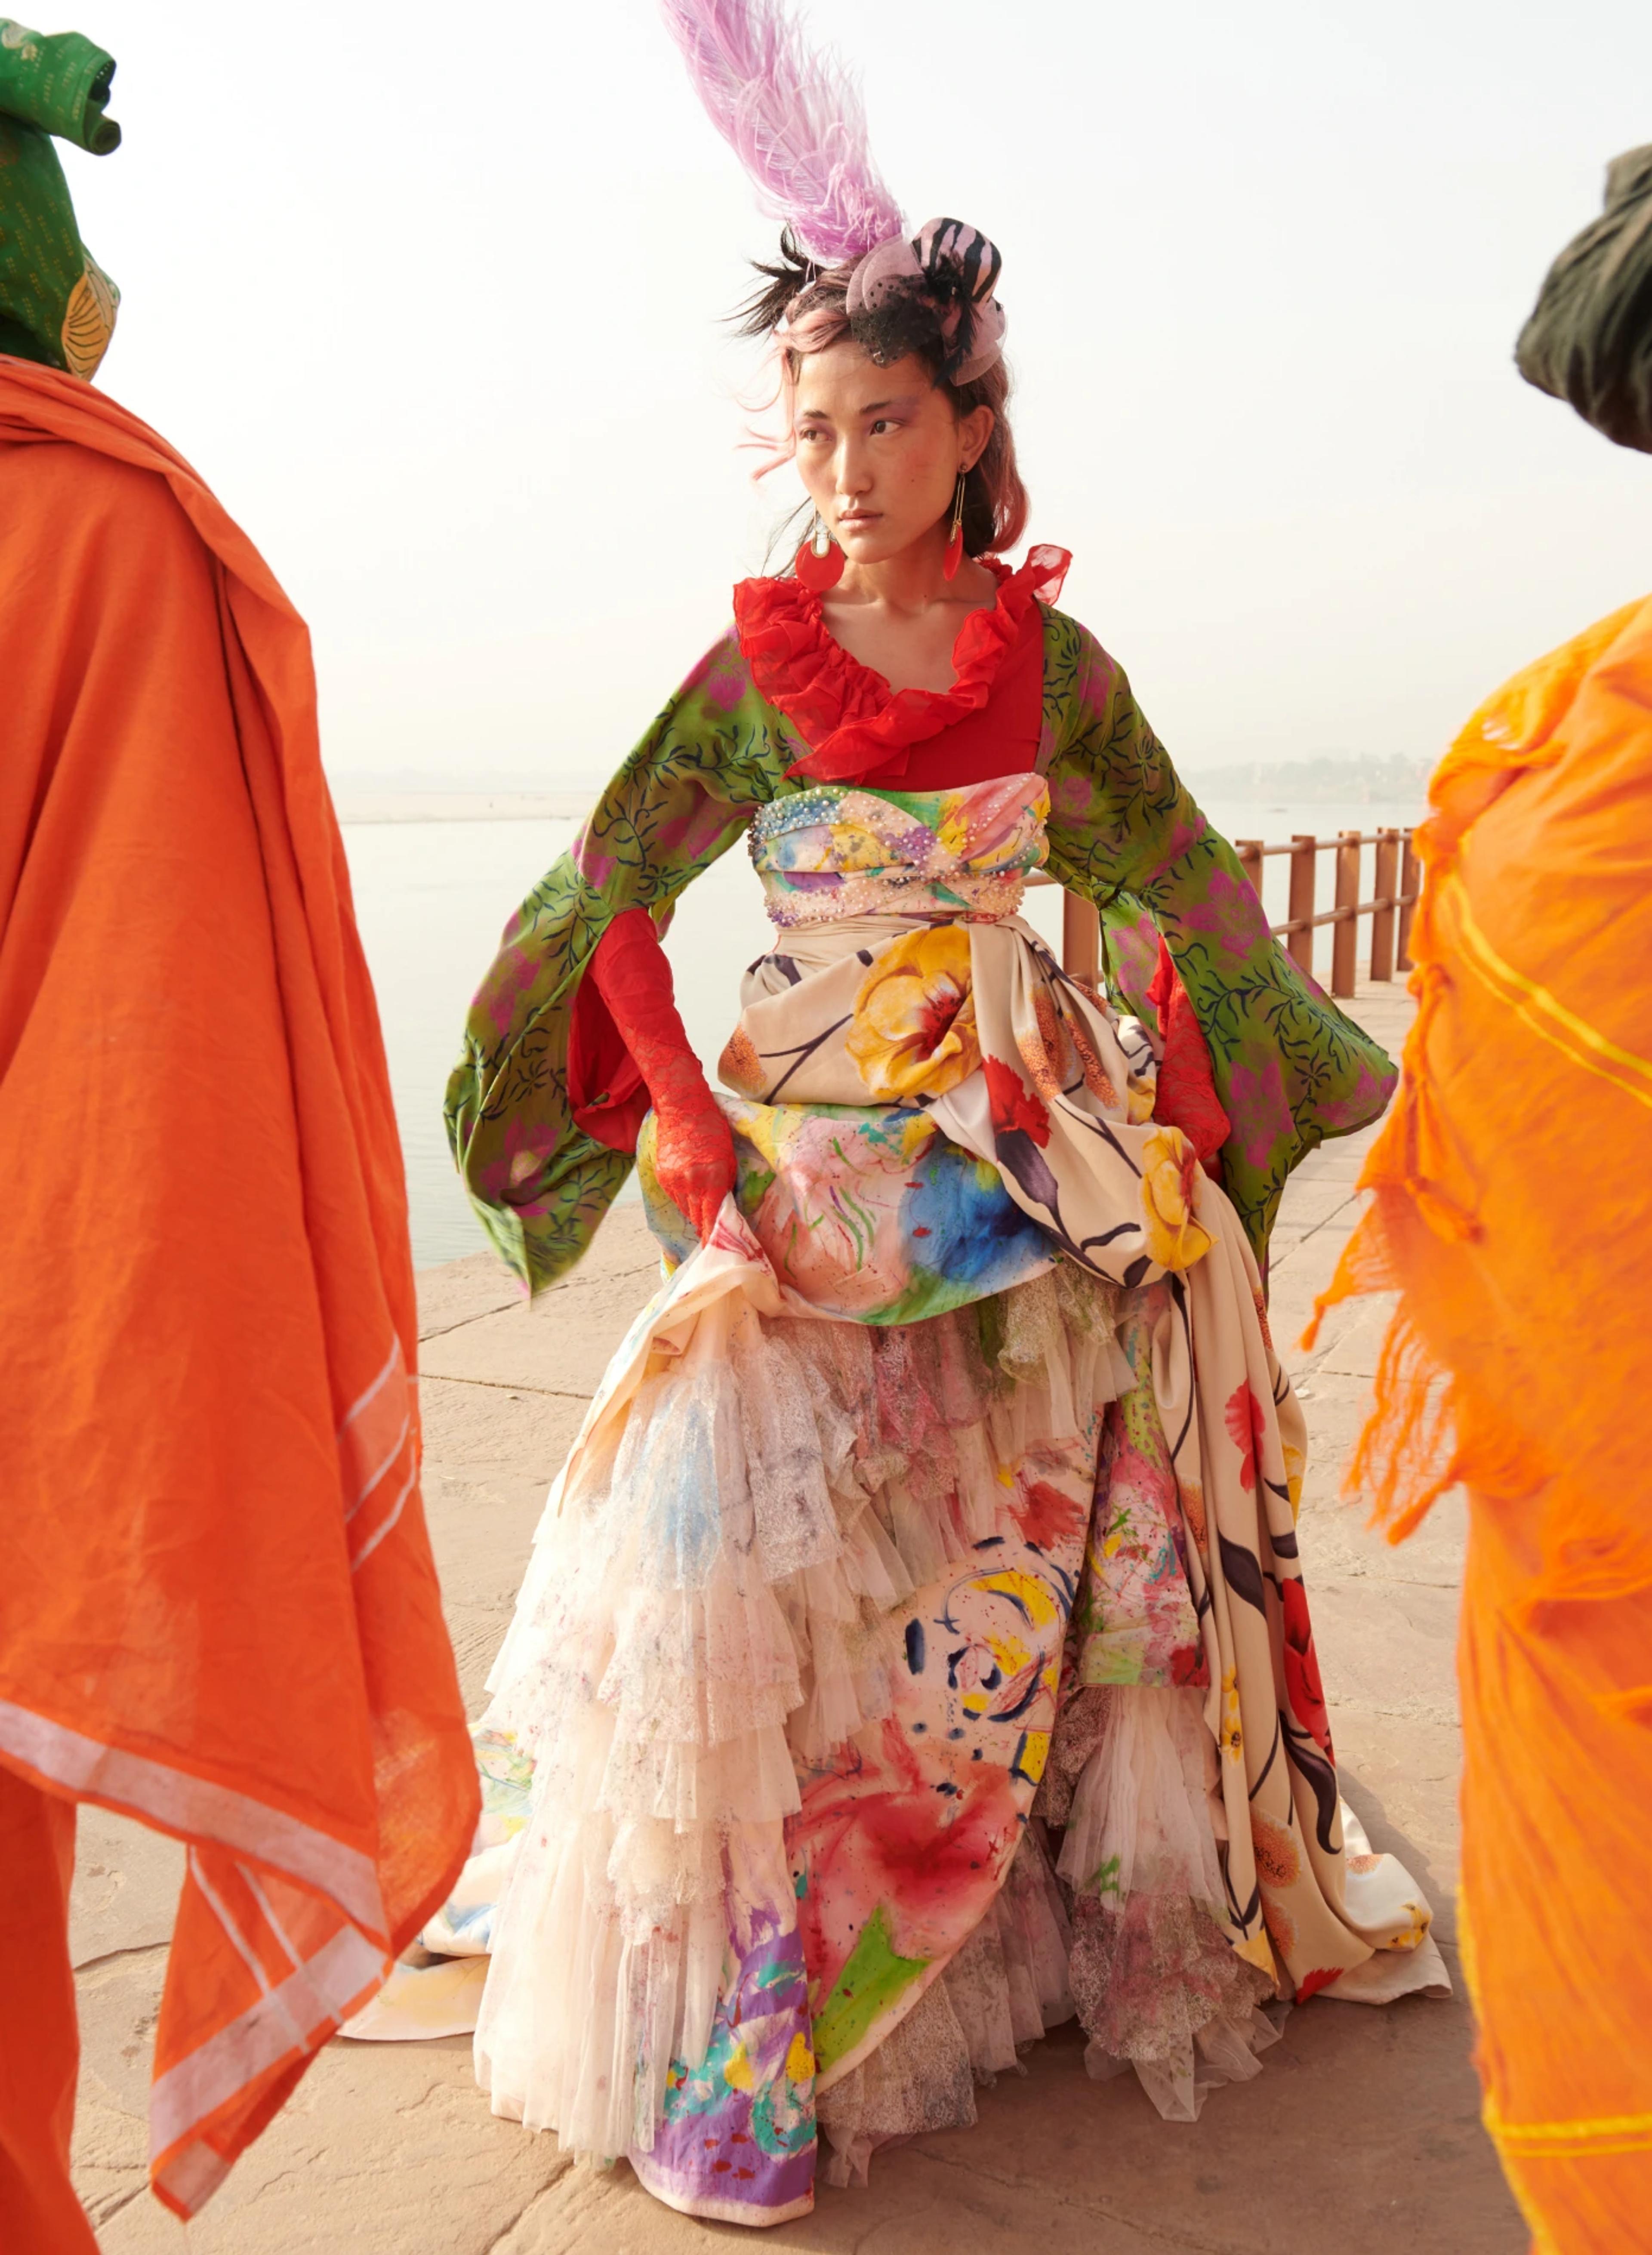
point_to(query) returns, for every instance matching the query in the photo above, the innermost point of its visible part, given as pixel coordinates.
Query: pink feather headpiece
(795, 119)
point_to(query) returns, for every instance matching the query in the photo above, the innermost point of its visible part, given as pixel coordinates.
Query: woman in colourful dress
(916, 1651)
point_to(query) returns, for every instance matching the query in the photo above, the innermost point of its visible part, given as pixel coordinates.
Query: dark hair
(812, 304)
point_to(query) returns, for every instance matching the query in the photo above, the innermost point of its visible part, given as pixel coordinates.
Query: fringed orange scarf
(1513, 1215)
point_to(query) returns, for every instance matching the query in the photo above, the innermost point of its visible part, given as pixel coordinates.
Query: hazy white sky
(430, 296)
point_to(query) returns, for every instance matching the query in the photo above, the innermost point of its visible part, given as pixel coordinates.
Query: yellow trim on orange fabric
(1466, 1955)
(1547, 1017)
(1568, 2141)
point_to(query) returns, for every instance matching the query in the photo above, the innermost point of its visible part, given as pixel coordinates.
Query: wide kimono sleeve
(540, 1158)
(1290, 1067)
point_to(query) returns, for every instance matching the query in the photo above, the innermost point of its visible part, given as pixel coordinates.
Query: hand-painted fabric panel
(977, 1025)
(868, 1213)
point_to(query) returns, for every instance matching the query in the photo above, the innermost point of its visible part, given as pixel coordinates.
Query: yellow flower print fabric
(1011, 1059)
(1168, 1197)
(914, 1027)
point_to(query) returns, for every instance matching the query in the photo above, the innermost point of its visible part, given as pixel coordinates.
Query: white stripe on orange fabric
(244, 1950)
(386, 1523)
(373, 1430)
(192, 2176)
(297, 2037)
(270, 1918)
(195, 1808)
(368, 1485)
(317, 2008)
(376, 1388)
(238, 2053)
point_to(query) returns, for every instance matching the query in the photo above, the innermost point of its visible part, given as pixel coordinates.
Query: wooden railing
(1396, 881)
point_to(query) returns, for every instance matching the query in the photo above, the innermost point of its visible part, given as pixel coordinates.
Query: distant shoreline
(364, 806)
(1288, 784)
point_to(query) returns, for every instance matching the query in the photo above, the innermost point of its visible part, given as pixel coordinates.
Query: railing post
(1249, 853)
(1081, 940)
(1345, 933)
(1410, 882)
(1304, 854)
(1385, 892)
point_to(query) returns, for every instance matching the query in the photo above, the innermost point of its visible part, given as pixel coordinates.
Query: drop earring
(818, 563)
(955, 540)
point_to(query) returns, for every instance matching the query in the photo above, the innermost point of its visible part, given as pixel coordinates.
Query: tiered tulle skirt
(742, 1771)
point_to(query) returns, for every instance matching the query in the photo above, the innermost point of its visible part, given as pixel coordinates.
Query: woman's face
(880, 449)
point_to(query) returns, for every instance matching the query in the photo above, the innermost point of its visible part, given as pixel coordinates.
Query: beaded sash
(840, 850)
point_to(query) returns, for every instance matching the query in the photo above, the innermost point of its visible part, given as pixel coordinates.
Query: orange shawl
(219, 1611)
(1513, 1212)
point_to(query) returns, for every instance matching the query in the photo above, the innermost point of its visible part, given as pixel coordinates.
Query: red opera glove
(695, 1152)
(1186, 1095)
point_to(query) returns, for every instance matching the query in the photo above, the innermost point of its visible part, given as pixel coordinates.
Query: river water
(432, 898)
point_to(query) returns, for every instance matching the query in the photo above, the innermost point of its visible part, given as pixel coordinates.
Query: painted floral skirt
(914, 1653)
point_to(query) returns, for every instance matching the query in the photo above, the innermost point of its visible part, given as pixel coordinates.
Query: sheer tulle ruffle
(704, 1611)
(708, 1604)
(1157, 1982)
(1002, 1991)
(1124, 1931)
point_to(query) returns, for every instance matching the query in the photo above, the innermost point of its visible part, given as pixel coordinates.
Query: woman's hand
(693, 1151)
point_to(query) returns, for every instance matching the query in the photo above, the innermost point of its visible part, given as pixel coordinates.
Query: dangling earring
(955, 543)
(818, 563)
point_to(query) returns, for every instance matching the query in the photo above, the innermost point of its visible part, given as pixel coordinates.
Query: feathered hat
(794, 118)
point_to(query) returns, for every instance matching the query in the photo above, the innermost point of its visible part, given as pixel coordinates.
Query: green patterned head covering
(56, 303)
(1589, 339)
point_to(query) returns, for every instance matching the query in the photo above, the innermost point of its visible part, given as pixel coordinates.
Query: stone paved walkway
(1361, 2133)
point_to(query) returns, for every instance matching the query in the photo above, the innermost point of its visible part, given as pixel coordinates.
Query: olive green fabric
(57, 305)
(1589, 339)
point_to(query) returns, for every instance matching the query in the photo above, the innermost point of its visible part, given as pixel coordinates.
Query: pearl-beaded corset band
(840, 850)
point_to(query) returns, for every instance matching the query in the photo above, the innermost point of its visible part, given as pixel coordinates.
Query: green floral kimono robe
(1289, 1068)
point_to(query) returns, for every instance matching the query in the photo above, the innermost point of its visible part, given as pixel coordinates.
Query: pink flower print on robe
(1257, 1106)
(596, 867)
(722, 676)
(510, 978)
(1230, 914)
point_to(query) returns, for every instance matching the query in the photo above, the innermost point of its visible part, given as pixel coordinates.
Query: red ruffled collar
(854, 722)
